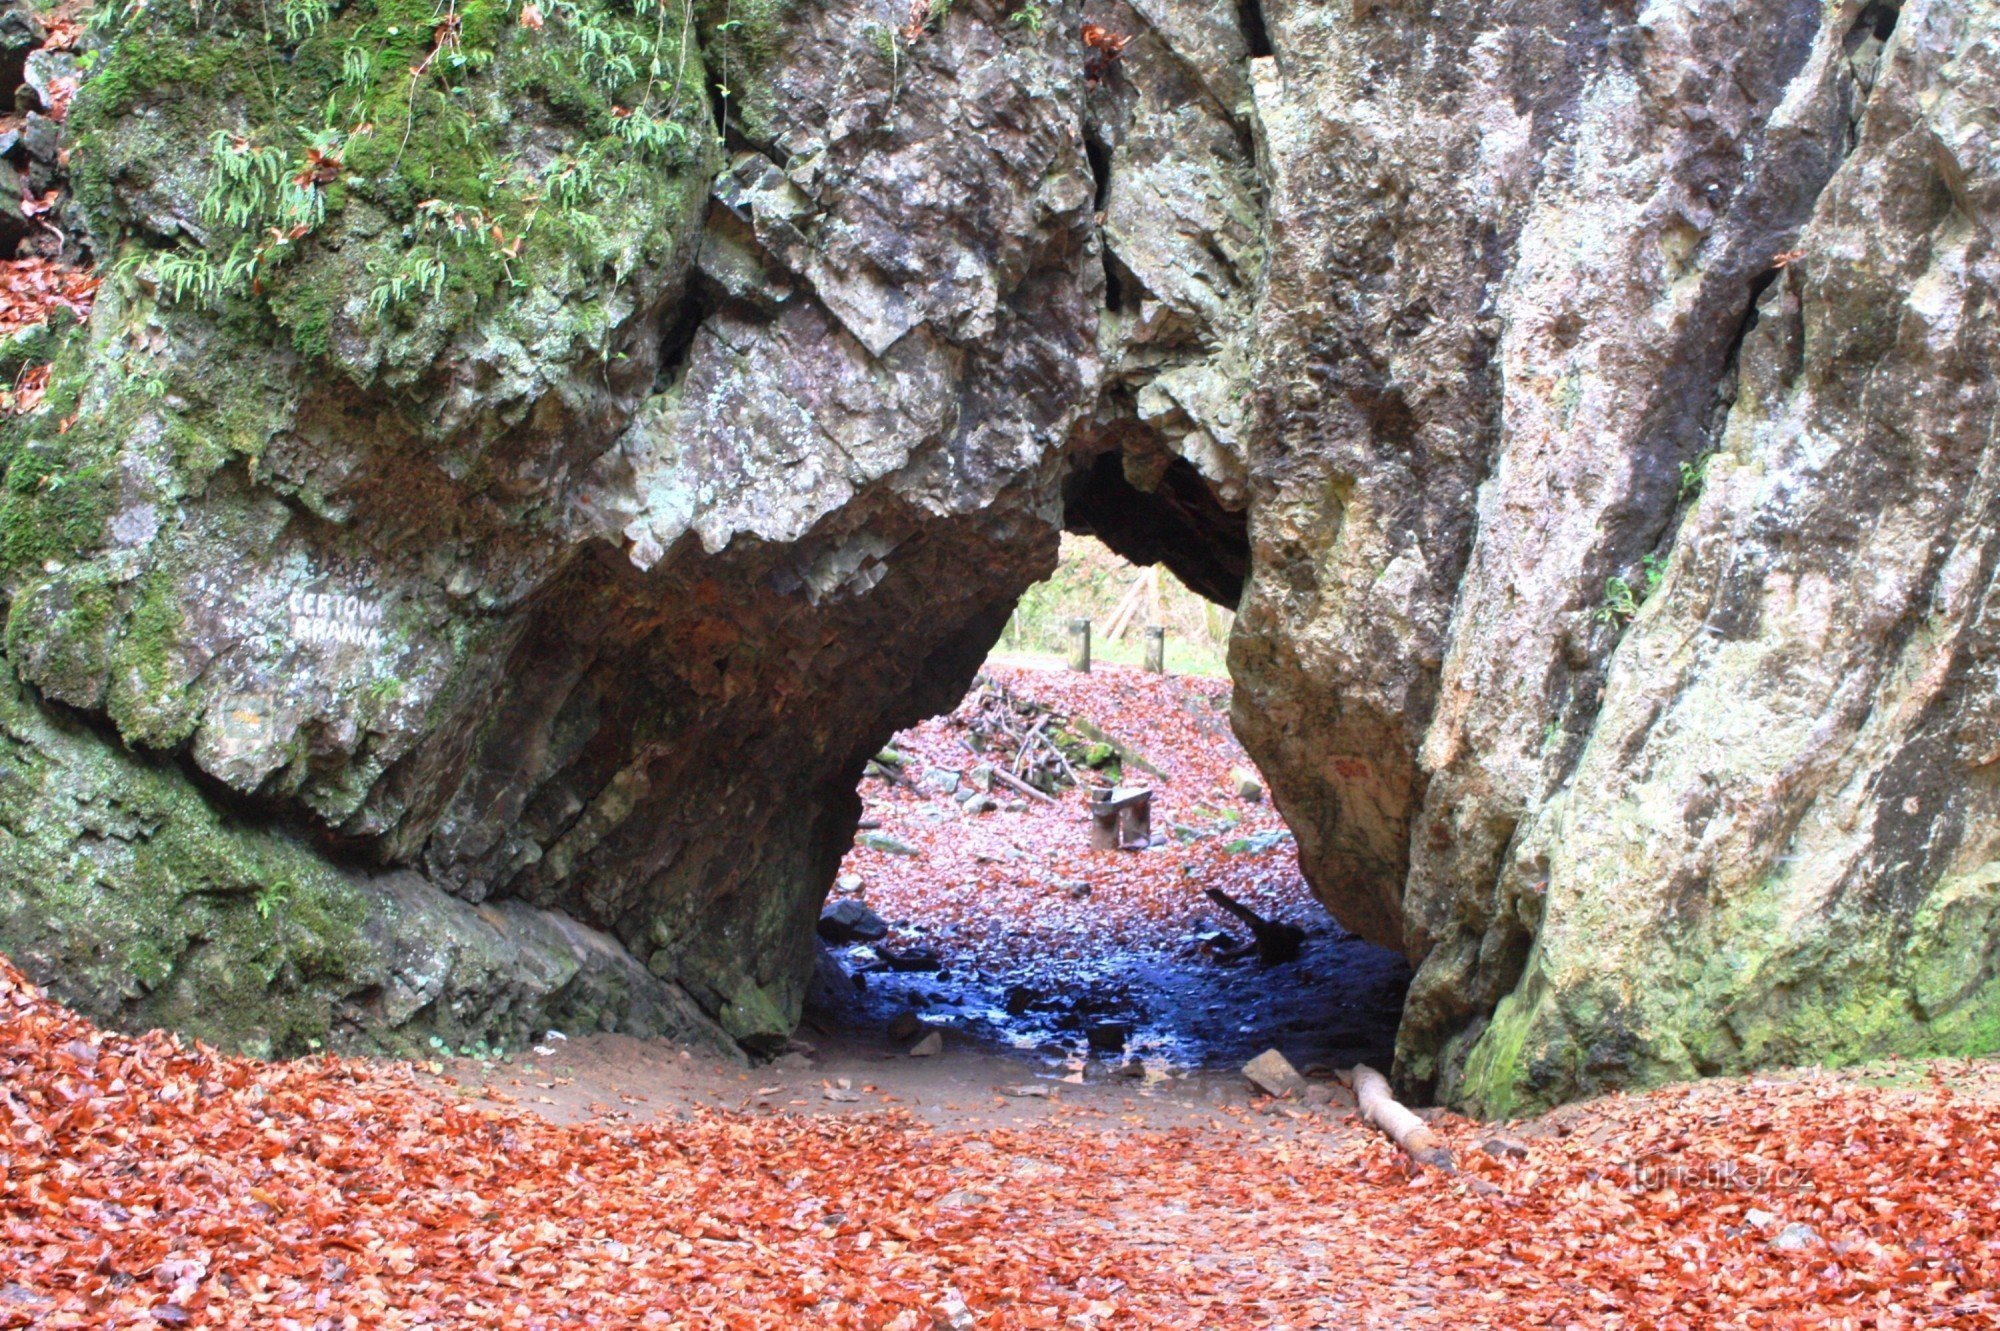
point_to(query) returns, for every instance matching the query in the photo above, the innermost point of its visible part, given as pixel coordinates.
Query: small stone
(1319, 1094)
(913, 959)
(850, 884)
(1020, 998)
(1501, 1148)
(792, 1061)
(981, 777)
(882, 841)
(1015, 806)
(904, 1025)
(981, 804)
(1796, 1237)
(928, 1047)
(1272, 1073)
(953, 1315)
(1108, 1037)
(1133, 1069)
(851, 922)
(1030, 1091)
(1247, 786)
(1761, 1219)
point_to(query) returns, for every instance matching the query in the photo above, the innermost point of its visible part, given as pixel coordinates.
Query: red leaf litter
(145, 1182)
(30, 288)
(1010, 866)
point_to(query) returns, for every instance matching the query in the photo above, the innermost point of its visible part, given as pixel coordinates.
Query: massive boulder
(457, 576)
(547, 484)
(1623, 532)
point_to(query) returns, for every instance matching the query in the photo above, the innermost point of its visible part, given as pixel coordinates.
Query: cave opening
(976, 915)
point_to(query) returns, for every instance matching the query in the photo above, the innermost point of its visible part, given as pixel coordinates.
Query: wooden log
(1128, 605)
(1379, 1106)
(1003, 775)
(1277, 940)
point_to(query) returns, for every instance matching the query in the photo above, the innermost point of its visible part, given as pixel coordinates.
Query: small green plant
(1620, 605)
(887, 45)
(243, 181)
(1622, 600)
(1552, 734)
(415, 273)
(1694, 475)
(303, 18)
(1030, 16)
(1653, 571)
(272, 896)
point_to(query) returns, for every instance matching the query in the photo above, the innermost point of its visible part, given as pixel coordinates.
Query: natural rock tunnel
(1595, 436)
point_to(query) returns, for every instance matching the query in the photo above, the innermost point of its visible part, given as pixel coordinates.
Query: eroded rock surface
(524, 504)
(1606, 746)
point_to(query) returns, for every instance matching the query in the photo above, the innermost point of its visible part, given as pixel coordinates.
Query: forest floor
(1013, 1179)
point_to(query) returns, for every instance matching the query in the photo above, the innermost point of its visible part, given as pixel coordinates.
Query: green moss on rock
(139, 903)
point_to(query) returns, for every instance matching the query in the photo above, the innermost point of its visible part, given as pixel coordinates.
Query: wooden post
(1156, 649)
(1121, 819)
(1135, 823)
(1079, 645)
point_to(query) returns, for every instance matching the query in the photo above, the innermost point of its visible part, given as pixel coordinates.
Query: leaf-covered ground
(144, 1182)
(147, 1183)
(1043, 936)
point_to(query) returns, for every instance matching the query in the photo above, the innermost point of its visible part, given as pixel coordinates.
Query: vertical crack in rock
(1768, 692)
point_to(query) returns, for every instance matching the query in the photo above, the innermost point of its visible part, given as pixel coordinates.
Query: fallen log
(1277, 941)
(1002, 774)
(1380, 1107)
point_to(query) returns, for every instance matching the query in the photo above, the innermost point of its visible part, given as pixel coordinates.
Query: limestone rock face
(1619, 538)
(459, 573)
(558, 513)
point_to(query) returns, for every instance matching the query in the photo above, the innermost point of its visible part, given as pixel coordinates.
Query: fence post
(1079, 645)
(1156, 649)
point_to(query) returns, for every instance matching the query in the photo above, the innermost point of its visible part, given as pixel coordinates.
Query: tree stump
(1156, 649)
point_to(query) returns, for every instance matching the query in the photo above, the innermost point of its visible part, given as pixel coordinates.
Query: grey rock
(851, 922)
(1593, 433)
(929, 1047)
(1108, 1037)
(1796, 1237)
(1272, 1073)
(885, 843)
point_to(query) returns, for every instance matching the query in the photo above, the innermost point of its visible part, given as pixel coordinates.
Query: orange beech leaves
(29, 288)
(144, 1182)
